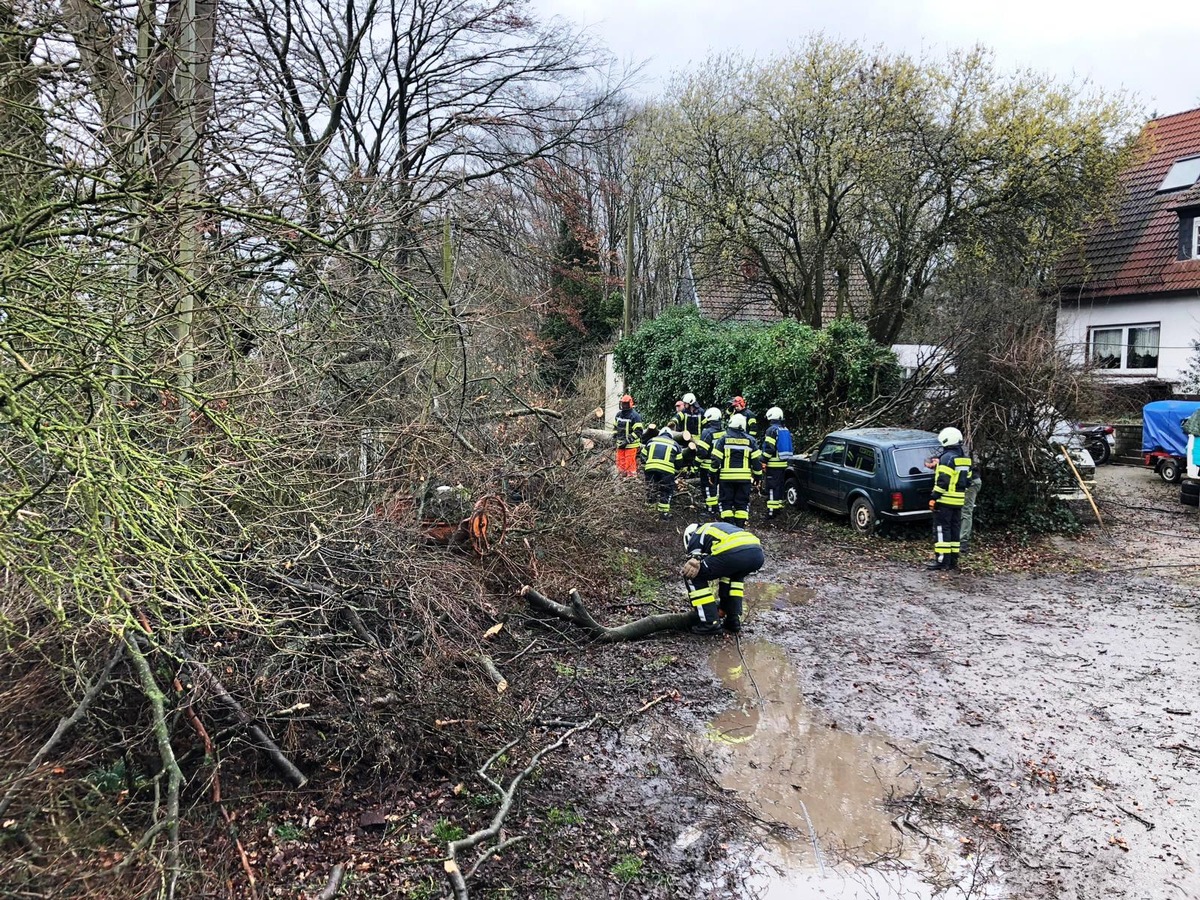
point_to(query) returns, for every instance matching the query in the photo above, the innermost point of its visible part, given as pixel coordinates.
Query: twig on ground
(1149, 825)
(458, 880)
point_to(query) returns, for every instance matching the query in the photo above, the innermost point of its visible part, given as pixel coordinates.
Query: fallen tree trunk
(578, 614)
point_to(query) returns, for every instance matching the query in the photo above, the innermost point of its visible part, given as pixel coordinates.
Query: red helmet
(679, 406)
(626, 401)
(738, 403)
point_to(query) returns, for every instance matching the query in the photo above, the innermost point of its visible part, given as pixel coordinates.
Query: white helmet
(687, 534)
(689, 398)
(737, 422)
(712, 414)
(948, 436)
(774, 414)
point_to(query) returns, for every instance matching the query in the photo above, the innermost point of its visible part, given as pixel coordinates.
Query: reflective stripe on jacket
(662, 454)
(688, 420)
(628, 428)
(737, 456)
(769, 453)
(712, 538)
(704, 446)
(952, 476)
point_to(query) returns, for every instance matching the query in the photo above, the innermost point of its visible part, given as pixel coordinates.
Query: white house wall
(1178, 319)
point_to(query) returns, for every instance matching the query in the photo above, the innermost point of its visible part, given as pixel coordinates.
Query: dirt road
(1067, 702)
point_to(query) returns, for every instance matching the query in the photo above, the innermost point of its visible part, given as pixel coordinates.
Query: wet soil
(1029, 729)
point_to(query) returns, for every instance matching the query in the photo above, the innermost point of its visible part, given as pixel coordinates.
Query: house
(740, 294)
(1129, 301)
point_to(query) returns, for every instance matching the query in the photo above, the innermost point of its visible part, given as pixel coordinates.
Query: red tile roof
(1136, 253)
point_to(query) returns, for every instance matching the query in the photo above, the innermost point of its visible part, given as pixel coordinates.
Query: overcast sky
(1147, 48)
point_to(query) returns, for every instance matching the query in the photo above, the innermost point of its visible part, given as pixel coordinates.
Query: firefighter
(738, 405)
(662, 454)
(627, 434)
(726, 554)
(738, 463)
(951, 478)
(712, 431)
(687, 416)
(776, 451)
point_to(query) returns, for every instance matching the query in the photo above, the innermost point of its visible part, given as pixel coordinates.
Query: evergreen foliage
(582, 315)
(818, 377)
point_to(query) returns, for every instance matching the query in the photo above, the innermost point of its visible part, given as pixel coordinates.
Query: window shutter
(1185, 234)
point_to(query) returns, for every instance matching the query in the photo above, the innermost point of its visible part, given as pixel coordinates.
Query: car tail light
(897, 500)
(1108, 429)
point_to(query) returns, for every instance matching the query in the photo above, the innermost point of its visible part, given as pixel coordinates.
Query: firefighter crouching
(662, 455)
(776, 451)
(722, 554)
(709, 434)
(951, 477)
(627, 434)
(738, 461)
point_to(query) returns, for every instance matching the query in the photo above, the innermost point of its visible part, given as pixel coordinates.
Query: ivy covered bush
(819, 378)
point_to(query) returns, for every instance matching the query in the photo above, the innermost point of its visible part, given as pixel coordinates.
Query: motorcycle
(1098, 440)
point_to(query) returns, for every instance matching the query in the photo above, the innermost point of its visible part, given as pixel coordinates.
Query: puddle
(763, 596)
(791, 766)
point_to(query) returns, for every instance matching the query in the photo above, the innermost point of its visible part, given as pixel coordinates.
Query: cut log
(577, 613)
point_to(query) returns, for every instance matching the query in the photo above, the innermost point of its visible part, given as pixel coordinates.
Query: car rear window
(910, 461)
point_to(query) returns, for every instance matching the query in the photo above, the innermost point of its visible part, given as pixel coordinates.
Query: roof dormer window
(1182, 174)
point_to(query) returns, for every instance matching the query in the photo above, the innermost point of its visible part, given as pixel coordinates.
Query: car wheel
(1101, 453)
(791, 493)
(862, 516)
(1169, 471)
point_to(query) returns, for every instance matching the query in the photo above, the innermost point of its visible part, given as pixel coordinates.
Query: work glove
(691, 568)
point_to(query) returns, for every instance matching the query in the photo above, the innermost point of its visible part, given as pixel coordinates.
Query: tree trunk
(577, 613)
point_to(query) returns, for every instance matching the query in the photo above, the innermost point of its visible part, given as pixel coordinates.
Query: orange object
(627, 460)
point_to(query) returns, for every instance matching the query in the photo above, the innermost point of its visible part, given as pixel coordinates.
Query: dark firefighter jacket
(661, 453)
(952, 476)
(627, 428)
(770, 454)
(736, 456)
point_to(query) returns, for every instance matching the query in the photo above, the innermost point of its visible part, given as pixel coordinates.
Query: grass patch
(560, 816)
(628, 868)
(288, 832)
(445, 831)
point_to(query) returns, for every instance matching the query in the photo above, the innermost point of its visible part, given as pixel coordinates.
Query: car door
(858, 471)
(826, 483)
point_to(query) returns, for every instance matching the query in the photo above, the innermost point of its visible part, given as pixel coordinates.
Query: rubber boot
(937, 564)
(962, 547)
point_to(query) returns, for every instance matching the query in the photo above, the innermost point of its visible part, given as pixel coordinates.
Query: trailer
(1164, 442)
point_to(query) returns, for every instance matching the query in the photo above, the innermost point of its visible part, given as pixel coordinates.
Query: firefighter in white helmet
(952, 475)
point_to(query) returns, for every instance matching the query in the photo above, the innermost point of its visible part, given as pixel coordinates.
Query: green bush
(819, 378)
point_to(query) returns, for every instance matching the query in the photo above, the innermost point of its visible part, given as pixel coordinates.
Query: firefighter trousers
(734, 500)
(776, 485)
(947, 526)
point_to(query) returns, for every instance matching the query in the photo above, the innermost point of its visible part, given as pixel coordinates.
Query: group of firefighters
(727, 451)
(730, 458)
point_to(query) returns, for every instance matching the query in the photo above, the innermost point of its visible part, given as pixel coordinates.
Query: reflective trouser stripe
(740, 516)
(737, 588)
(700, 596)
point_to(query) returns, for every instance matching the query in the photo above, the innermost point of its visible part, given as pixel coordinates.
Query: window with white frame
(1124, 347)
(1196, 238)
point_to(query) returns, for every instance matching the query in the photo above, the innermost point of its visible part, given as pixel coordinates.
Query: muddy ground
(1029, 728)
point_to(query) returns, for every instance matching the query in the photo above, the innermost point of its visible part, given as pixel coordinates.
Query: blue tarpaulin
(1162, 427)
